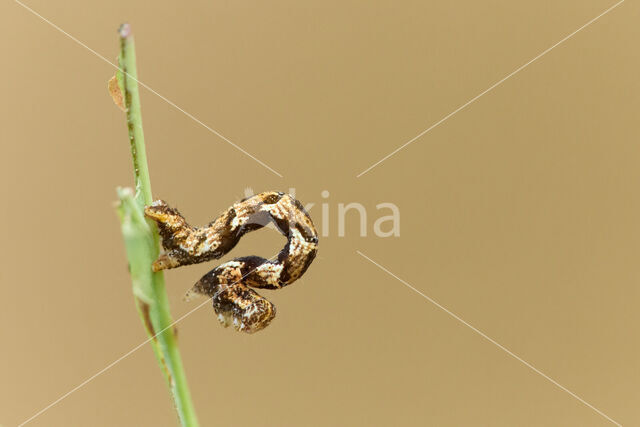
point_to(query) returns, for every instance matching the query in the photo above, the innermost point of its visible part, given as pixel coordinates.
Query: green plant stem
(142, 242)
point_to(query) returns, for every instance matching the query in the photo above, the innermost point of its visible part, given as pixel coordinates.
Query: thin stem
(142, 241)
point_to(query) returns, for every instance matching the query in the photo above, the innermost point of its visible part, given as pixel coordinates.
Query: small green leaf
(138, 242)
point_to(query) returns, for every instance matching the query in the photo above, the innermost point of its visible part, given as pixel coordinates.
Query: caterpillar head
(235, 304)
(243, 308)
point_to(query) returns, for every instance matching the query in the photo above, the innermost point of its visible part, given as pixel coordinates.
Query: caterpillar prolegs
(229, 284)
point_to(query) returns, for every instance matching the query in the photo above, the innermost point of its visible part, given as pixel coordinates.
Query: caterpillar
(229, 285)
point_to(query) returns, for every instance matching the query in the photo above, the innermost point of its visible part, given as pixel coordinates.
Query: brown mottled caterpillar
(228, 284)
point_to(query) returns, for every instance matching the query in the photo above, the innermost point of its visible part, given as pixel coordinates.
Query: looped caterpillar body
(229, 284)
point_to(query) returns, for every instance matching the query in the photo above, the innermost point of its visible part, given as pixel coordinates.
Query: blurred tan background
(520, 213)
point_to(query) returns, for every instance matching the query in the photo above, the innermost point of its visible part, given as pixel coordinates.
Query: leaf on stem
(138, 242)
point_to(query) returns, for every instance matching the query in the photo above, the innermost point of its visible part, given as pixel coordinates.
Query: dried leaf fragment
(116, 93)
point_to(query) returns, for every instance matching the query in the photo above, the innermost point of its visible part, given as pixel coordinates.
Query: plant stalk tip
(125, 30)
